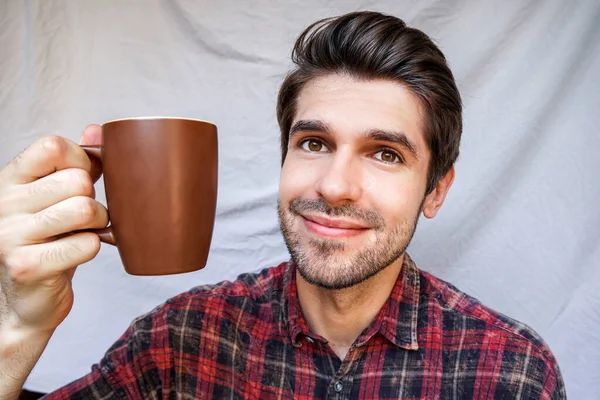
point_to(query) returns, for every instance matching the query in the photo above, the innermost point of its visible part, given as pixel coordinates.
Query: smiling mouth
(333, 228)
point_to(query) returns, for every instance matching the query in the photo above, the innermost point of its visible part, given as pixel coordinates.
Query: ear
(435, 199)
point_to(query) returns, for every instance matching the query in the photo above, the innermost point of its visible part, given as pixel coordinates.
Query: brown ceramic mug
(160, 178)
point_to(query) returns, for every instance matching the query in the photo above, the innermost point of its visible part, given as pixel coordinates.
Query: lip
(333, 228)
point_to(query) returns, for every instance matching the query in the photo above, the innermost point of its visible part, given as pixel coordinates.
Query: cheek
(396, 197)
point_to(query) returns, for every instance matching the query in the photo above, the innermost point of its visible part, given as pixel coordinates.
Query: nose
(340, 180)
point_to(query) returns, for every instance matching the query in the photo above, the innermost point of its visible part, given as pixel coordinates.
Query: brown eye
(388, 156)
(314, 146)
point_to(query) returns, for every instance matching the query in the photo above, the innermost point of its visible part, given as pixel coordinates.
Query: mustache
(370, 218)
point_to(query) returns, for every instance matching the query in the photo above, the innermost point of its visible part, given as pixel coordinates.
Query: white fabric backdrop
(520, 229)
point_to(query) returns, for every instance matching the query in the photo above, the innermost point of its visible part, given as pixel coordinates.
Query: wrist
(20, 349)
(15, 337)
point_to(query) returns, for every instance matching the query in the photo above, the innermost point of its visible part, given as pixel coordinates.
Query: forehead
(350, 106)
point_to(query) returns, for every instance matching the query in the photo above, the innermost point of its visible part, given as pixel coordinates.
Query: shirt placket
(340, 387)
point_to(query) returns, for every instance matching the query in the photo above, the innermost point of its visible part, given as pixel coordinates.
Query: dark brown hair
(369, 45)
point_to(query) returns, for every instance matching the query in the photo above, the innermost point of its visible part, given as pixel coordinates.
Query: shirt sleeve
(133, 368)
(554, 387)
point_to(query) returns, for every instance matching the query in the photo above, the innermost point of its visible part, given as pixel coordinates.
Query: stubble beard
(323, 262)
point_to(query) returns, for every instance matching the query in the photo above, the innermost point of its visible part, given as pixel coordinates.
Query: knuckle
(54, 146)
(83, 180)
(86, 209)
(19, 266)
(74, 181)
(87, 244)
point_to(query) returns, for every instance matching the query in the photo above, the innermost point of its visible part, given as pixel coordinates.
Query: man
(370, 124)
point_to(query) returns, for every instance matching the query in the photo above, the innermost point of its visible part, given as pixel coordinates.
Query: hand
(46, 193)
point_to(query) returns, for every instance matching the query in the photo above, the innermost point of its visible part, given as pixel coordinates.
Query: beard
(332, 264)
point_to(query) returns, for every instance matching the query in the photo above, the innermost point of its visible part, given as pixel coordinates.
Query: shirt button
(338, 386)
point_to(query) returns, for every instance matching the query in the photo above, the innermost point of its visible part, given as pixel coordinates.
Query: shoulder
(459, 305)
(520, 352)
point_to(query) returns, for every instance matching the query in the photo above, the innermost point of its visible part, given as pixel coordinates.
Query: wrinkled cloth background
(520, 229)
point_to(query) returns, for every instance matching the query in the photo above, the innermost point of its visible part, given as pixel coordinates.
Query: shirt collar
(397, 320)
(296, 322)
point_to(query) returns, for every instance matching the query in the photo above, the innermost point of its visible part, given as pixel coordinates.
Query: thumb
(92, 135)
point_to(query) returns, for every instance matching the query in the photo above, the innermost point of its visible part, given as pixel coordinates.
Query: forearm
(20, 349)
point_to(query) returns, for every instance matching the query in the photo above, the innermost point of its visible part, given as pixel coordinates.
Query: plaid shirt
(249, 340)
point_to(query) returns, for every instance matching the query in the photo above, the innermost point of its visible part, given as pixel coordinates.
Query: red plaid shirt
(249, 340)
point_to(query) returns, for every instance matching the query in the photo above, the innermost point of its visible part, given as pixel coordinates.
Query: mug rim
(157, 118)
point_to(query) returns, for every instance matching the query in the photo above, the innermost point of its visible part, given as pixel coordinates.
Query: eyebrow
(309, 125)
(397, 137)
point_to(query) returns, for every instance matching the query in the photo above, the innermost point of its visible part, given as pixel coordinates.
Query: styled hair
(370, 45)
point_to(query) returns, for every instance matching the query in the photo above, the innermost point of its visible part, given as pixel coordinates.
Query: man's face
(354, 179)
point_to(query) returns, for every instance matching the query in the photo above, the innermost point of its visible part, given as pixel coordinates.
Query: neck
(341, 315)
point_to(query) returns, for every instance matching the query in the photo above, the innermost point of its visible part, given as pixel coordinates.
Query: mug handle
(94, 152)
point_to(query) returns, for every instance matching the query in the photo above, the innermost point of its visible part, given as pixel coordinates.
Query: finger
(92, 135)
(32, 263)
(45, 156)
(47, 191)
(74, 213)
